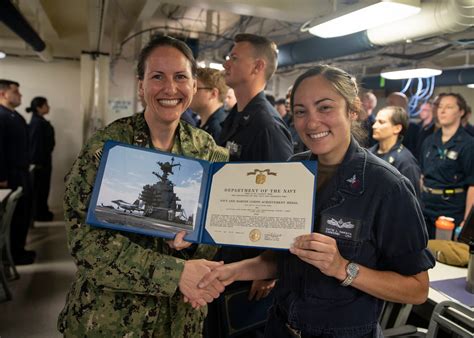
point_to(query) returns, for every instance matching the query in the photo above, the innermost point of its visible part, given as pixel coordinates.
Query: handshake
(202, 281)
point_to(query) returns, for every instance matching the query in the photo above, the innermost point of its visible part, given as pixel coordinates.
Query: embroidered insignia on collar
(391, 159)
(352, 179)
(246, 117)
(354, 182)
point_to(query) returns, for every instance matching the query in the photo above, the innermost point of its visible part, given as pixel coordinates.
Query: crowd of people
(390, 176)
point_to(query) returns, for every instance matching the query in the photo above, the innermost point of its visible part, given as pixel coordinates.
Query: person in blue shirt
(390, 125)
(447, 165)
(333, 282)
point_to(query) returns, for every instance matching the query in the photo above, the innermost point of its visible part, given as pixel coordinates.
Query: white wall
(122, 90)
(58, 81)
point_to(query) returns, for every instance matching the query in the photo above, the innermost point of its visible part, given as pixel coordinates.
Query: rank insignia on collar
(452, 155)
(391, 159)
(352, 179)
(354, 182)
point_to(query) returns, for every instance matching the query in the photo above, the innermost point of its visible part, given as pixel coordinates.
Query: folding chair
(6, 260)
(393, 321)
(452, 317)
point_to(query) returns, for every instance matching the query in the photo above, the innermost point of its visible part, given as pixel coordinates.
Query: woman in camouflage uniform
(127, 284)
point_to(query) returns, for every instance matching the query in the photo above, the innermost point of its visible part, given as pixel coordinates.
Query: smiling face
(321, 119)
(383, 128)
(448, 113)
(168, 85)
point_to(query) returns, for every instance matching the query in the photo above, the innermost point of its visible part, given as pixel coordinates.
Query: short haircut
(213, 78)
(371, 97)
(160, 41)
(264, 48)
(398, 99)
(5, 84)
(399, 116)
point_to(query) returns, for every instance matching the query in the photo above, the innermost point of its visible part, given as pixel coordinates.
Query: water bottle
(470, 269)
(444, 227)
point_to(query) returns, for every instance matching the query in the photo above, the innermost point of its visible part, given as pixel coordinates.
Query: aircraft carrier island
(158, 206)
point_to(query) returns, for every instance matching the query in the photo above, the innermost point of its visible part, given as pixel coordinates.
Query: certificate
(260, 204)
(254, 204)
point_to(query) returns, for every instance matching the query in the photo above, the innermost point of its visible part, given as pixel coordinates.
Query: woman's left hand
(178, 243)
(320, 251)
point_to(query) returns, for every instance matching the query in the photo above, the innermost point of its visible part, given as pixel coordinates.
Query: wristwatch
(352, 270)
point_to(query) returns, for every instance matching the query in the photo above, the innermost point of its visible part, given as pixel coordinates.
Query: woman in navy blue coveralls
(447, 165)
(369, 243)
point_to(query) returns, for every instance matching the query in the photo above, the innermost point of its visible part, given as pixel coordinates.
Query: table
(443, 271)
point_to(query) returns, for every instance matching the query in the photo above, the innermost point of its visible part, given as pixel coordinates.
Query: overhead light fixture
(364, 15)
(471, 85)
(413, 72)
(2, 55)
(216, 65)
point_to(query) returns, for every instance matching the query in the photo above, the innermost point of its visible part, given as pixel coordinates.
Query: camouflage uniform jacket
(127, 284)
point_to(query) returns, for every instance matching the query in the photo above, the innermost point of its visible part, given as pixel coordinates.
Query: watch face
(352, 269)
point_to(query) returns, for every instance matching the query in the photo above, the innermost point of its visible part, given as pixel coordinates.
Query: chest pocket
(450, 169)
(349, 236)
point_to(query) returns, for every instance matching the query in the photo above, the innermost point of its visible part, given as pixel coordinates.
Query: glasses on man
(204, 88)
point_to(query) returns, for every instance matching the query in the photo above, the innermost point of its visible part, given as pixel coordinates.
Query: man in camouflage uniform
(127, 284)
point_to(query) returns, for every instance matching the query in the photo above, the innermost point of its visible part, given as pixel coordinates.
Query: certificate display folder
(159, 194)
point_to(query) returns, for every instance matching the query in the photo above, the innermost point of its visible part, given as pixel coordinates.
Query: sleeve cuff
(410, 264)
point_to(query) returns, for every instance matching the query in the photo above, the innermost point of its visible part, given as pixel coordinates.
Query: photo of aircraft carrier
(157, 207)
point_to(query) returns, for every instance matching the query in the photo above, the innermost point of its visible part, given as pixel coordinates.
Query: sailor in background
(447, 165)
(41, 148)
(390, 125)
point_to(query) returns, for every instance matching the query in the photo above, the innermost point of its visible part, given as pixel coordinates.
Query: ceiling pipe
(14, 20)
(436, 17)
(317, 49)
(450, 77)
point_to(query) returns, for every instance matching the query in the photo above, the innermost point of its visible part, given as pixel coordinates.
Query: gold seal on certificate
(255, 235)
(261, 175)
(260, 179)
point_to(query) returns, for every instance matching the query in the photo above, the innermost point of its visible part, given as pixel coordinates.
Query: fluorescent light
(410, 73)
(365, 15)
(2, 55)
(471, 85)
(216, 65)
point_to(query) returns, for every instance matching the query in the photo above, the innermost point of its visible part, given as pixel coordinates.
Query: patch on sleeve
(340, 227)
